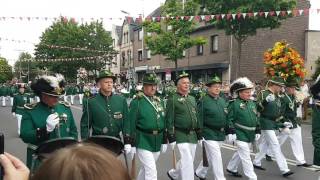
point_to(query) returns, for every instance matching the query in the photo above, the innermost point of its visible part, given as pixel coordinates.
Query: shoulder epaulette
(65, 103)
(139, 95)
(30, 105)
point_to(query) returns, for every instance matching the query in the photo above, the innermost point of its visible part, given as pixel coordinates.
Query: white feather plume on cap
(240, 84)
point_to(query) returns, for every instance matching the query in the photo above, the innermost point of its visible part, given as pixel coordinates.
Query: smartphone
(1, 152)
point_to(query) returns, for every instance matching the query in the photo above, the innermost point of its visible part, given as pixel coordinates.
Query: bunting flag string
(140, 19)
(92, 58)
(53, 46)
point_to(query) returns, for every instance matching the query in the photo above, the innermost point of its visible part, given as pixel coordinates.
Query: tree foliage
(172, 36)
(5, 71)
(26, 67)
(91, 37)
(243, 27)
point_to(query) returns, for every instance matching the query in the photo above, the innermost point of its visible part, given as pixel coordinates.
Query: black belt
(187, 131)
(153, 132)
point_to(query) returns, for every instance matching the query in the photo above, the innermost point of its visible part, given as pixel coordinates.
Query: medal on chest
(242, 105)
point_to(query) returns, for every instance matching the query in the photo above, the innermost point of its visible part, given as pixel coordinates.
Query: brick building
(219, 54)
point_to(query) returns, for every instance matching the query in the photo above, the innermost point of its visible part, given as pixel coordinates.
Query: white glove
(164, 148)
(52, 121)
(270, 98)
(257, 137)
(286, 130)
(231, 138)
(127, 148)
(234, 137)
(288, 124)
(14, 114)
(173, 144)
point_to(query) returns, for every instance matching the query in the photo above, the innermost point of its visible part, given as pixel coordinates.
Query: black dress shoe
(304, 165)
(259, 167)
(287, 174)
(235, 174)
(268, 158)
(169, 176)
(199, 177)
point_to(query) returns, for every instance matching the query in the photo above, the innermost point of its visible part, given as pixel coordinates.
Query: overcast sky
(31, 30)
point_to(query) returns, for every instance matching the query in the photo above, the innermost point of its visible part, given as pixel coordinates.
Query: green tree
(68, 33)
(243, 27)
(317, 72)
(26, 68)
(172, 36)
(5, 71)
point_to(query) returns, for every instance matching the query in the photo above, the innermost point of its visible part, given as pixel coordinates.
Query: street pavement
(14, 145)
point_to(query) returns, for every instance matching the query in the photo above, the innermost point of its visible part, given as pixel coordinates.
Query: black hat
(150, 78)
(315, 89)
(240, 84)
(105, 74)
(182, 75)
(293, 82)
(214, 80)
(50, 85)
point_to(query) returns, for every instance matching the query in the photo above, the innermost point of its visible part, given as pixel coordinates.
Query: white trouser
(11, 101)
(242, 155)
(80, 98)
(271, 139)
(71, 98)
(3, 98)
(215, 161)
(65, 98)
(19, 117)
(148, 168)
(185, 164)
(296, 143)
(263, 144)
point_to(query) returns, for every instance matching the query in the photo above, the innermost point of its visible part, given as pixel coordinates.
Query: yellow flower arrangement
(283, 61)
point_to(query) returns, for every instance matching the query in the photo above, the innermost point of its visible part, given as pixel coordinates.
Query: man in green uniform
(269, 106)
(290, 104)
(212, 113)
(244, 123)
(13, 91)
(183, 128)
(148, 127)
(19, 100)
(106, 112)
(3, 94)
(49, 119)
(315, 91)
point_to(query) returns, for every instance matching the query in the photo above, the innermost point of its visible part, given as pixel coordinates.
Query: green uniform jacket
(316, 134)
(13, 90)
(181, 119)
(242, 116)
(33, 125)
(290, 109)
(68, 90)
(270, 112)
(105, 116)
(19, 100)
(213, 117)
(147, 122)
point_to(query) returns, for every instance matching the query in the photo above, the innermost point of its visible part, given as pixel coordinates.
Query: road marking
(289, 161)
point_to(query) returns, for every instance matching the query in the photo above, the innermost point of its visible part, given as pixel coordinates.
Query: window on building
(127, 37)
(115, 63)
(184, 53)
(200, 50)
(129, 56)
(148, 54)
(139, 55)
(113, 42)
(214, 43)
(123, 58)
(140, 35)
